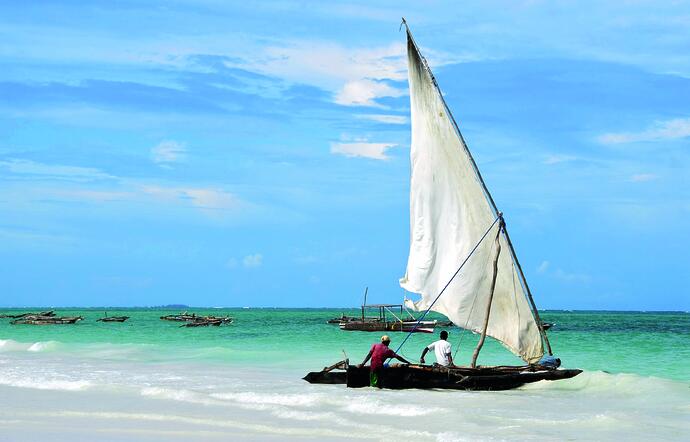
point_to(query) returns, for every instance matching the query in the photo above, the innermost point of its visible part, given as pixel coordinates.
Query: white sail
(449, 213)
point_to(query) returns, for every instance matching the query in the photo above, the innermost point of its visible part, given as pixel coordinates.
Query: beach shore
(156, 403)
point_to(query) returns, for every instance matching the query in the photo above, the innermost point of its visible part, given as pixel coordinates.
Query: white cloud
(364, 92)
(205, 198)
(543, 267)
(386, 119)
(53, 171)
(354, 75)
(642, 177)
(254, 260)
(555, 159)
(660, 130)
(562, 275)
(375, 151)
(572, 277)
(167, 152)
(329, 65)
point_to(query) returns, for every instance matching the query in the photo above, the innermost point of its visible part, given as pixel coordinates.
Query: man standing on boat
(442, 351)
(378, 354)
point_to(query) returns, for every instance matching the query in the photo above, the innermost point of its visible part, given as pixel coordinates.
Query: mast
(491, 298)
(366, 290)
(487, 194)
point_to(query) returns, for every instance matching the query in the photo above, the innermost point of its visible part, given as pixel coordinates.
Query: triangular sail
(449, 213)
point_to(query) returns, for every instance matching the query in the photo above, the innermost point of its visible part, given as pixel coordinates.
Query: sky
(223, 153)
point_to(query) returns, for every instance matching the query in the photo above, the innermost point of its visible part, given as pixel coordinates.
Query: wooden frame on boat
(384, 323)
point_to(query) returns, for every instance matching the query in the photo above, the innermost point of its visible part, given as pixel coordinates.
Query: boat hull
(114, 319)
(398, 377)
(388, 326)
(46, 320)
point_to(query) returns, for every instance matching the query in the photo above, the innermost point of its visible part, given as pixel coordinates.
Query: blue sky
(256, 153)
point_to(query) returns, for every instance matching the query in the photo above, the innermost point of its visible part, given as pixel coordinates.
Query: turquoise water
(642, 343)
(148, 379)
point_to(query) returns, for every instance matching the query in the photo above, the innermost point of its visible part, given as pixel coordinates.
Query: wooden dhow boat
(21, 315)
(46, 320)
(208, 320)
(403, 376)
(181, 317)
(391, 317)
(343, 318)
(194, 320)
(107, 318)
(461, 261)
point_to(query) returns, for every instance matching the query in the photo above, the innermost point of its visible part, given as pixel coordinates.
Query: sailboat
(461, 261)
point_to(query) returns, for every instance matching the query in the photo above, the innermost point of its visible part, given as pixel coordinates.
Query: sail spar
(450, 211)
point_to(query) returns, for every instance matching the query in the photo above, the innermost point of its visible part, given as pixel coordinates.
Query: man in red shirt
(378, 354)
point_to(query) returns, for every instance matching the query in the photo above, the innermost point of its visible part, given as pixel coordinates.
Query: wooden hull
(208, 322)
(180, 318)
(343, 319)
(22, 315)
(399, 377)
(114, 319)
(379, 326)
(46, 320)
(198, 321)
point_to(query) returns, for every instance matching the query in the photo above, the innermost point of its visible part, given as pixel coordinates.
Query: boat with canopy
(461, 262)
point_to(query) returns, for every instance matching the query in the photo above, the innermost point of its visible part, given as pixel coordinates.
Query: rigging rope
(499, 217)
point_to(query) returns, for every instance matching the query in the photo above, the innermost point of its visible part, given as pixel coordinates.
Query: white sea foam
(46, 384)
(449, 436)
(378, 407)
(9, 345)
(310, 416)
(177, 395)
(600, 406)
(302, 400)
(42, 346)
(599, 381)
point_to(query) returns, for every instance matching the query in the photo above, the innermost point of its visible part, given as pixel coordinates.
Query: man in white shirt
(441, 349)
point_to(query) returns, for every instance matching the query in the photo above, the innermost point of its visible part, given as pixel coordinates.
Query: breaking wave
(9, 345)
(46, 384)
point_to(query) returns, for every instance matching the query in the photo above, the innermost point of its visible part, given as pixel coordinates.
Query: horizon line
(184, 306)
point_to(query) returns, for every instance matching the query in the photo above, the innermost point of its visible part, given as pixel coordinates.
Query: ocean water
(148, 379)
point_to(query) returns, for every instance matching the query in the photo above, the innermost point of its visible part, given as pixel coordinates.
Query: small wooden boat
(403, 376)
(113, 319)
(388, 321)
(47, 313)
(46, 320)
(182, 317)
(342, 318)
(202, 323)
(208, 320)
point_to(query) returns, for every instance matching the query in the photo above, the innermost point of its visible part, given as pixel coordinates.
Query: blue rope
(500, 216)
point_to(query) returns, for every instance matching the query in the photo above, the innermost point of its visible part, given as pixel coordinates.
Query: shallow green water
(644, 343)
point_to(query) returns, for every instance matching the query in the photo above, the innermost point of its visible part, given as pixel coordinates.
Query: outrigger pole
(487, 194)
